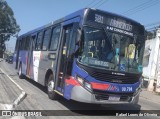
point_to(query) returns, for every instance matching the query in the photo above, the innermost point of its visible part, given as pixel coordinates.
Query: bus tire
(21, 76)
(50, 88)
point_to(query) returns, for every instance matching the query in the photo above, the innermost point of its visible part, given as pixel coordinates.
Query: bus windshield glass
(111, 51)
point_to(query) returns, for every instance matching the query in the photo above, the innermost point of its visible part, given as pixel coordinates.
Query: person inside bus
(96, 49)
(107, 53)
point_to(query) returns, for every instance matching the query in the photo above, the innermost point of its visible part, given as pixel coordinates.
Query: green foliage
(8, 24)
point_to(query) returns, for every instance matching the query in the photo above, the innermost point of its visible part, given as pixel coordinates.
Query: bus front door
(63, 67)
(29, 70)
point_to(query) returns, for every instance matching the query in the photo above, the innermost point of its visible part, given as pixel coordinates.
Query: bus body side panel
(44, 64)
(36, 61)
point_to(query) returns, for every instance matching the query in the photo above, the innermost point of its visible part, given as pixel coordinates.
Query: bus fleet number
(126, 89)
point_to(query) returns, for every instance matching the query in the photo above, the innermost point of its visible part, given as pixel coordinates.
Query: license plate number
(114, 98)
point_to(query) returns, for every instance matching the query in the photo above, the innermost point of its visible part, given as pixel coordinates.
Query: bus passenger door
(17, 53)
(30, 57)
(65, 46)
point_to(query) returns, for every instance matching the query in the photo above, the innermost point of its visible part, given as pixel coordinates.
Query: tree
(8, 24)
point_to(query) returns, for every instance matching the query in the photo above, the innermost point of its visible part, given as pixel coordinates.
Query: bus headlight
(88, 86)
(80, 80)
(85, 84)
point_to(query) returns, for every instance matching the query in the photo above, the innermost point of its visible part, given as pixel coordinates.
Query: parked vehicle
(9, 59)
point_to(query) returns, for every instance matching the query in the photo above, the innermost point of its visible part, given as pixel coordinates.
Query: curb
(20, 98)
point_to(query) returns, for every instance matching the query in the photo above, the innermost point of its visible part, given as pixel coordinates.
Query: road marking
(11, 79)
(20, 97)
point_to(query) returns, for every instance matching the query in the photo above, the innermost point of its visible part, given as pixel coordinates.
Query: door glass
(64, 57)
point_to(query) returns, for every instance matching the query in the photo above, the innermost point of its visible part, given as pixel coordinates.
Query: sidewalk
(152, 96)
(9, 92)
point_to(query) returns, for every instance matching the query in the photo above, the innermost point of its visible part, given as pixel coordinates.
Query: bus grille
(111, 76)
(102, 95)
(108, 77)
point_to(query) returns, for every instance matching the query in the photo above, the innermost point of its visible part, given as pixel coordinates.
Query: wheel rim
(50, 86)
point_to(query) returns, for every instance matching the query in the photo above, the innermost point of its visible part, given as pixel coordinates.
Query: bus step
(58, 92)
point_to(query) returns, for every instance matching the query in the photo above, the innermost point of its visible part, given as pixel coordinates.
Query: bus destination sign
(115, 25)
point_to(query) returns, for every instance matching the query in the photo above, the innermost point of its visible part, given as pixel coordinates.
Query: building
(151, 63)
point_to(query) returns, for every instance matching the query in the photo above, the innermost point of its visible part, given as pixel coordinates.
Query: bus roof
(75, 14)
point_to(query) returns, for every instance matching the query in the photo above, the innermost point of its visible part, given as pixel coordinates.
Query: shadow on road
(42, 88)
(97, 109)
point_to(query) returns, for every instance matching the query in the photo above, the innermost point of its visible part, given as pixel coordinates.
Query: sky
(31, 14)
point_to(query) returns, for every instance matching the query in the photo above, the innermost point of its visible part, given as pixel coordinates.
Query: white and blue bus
(90, 56)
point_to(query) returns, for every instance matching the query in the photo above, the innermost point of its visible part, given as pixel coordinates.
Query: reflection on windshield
(110, 51)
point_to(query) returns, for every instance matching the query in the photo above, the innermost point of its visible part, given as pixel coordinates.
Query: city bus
(90, 56)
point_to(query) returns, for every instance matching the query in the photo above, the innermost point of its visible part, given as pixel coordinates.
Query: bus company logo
(120, 74)
(113, 88)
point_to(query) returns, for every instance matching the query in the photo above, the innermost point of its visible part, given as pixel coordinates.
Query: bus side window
(23, 43)
(27, 43)
(39, 41)
(20, 44)
(55, 38)
(46, 39)
(33, 39)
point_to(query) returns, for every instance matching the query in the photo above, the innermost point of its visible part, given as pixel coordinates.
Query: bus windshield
(111, 51)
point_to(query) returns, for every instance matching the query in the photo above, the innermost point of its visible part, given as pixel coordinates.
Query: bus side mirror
(78, 38)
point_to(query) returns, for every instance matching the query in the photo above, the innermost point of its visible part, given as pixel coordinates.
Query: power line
(102, 3)
(153, 28)
(141, 7)
(90, 3)
(145, 8)
(152, 24)
(99, 2)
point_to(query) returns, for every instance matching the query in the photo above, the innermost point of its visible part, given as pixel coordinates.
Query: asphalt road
(37, 99)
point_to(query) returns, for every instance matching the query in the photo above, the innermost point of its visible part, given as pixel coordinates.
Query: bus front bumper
(82, 95)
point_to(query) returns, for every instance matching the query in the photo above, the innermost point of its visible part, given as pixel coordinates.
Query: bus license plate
(114, 98)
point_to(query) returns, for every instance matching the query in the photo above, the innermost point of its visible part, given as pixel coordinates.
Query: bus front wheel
(50, 88)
